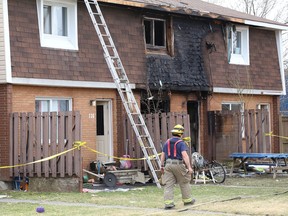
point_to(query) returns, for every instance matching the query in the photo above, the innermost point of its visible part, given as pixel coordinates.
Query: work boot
(190, 203)
(169, 206)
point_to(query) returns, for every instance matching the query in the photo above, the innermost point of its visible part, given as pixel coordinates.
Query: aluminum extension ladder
(122, 83)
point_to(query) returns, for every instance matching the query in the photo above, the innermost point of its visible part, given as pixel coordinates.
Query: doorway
(193, 111)
(104, 133)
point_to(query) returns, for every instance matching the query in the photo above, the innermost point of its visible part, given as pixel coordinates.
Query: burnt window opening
(155, 33)
(155, 102)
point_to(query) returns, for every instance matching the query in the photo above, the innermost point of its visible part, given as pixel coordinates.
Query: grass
(261, 195)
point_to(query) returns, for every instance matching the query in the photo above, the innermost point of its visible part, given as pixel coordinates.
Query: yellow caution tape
(76, 145)
(273, 135)
(120, 158)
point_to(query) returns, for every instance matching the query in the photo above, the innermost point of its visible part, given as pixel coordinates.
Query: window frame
(69, 42)
(242, 58)
(168, 47)
(51, 103)
(50, 109)
(242, 106)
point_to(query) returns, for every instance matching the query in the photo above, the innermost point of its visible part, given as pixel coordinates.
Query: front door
(104, 144)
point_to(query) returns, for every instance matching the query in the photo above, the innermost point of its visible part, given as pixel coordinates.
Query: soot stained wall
(185, 70)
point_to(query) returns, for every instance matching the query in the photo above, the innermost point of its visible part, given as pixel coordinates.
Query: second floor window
(57, 21)
(155, 32)
(238, 45)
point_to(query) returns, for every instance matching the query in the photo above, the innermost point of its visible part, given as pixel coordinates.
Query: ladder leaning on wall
(122, 83)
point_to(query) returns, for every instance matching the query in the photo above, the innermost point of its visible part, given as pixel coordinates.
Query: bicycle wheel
(217, 172)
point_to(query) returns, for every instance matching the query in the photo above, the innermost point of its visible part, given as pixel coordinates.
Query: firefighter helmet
(178, 130)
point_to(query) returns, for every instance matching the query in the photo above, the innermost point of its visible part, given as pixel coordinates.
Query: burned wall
(185, 70)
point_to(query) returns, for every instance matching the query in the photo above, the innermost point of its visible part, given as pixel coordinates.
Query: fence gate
(34, 136)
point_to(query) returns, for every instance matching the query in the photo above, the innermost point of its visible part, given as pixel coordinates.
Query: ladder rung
(139, 125)
(105, 35)
(98, 14)
(124, 81)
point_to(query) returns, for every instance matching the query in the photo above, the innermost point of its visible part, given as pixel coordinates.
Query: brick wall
(87, 64)
(24, 101)
(5, 109)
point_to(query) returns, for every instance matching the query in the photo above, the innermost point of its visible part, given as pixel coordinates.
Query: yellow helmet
(178, 130)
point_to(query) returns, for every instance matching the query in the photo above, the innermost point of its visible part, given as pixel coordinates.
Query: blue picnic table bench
(279, 160)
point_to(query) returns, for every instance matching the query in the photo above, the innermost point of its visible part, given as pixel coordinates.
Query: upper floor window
(238, 45)
(58, 23)
(157, 38)
(155, 33)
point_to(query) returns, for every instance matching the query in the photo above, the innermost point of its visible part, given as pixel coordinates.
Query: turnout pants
(176, 174)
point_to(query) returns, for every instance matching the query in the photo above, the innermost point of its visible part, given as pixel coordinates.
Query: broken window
(155, 33)
(155, 102)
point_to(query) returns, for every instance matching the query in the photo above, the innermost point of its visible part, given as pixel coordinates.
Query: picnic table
(278, 159)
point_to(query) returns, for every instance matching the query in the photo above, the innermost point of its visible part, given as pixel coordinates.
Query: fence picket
(34, 136)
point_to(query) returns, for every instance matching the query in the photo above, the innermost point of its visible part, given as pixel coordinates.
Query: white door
(104, 131)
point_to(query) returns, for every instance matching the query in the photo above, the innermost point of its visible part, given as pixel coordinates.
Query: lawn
(259, 195)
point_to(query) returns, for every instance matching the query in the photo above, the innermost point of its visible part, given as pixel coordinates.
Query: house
(185, 56)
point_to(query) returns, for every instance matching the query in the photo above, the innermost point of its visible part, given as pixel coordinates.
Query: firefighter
(176, 168)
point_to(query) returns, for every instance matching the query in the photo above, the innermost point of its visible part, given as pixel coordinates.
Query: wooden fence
(34, 136)
(283, 133)
(159, 126)
(232, 131)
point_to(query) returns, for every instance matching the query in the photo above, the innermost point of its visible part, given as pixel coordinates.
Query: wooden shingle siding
(30, 60)
(264, 62)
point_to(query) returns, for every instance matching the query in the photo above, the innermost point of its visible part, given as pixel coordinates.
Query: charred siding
(184, 71)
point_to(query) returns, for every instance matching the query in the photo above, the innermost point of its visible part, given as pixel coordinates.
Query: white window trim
(59, 42)
(55, 98)
(242, 114)
(244, 57)
(50, 108)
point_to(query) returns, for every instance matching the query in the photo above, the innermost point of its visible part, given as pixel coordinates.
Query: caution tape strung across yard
(273, 135)
(76, 145)
(120, 158)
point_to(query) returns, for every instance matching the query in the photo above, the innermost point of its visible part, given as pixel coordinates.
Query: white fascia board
(266, 25)
(65, 83)
(279, 43)
(7, 42)
(246, 91)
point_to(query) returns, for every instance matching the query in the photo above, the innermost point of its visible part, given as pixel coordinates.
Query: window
(157, 38)
(52, 105)
(238, 45)
(232, 106)
(237, 107)
(155, 32)
(58, 23)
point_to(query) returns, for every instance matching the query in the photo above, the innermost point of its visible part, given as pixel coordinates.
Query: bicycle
(210, 170)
